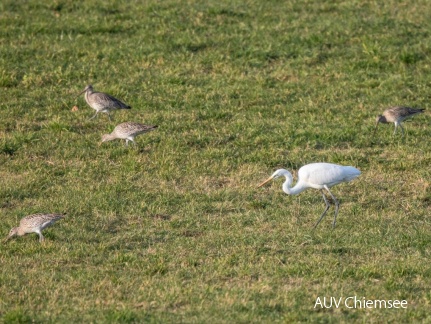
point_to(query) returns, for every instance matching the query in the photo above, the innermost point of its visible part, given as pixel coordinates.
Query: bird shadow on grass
(339, 250)
(144, 150)
(162, 217)
(387, 142)
(113, 226)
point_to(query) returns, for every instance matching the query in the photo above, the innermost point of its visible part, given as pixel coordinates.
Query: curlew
(34, 224)
(102, 102)
(397, 115)
(127, 131)
(321, 176)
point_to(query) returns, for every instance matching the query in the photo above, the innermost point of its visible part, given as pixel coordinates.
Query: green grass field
(174, 229)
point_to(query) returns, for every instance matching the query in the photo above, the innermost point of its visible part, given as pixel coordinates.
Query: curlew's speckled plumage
(127, 131)
(34, 224)
(397, 115)
(102, 102)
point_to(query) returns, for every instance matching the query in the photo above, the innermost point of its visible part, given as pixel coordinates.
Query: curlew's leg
(41, 238)
(336, 206)
(402, 129)
(130, 139)
(93, 116)
(326, 209)
(396, 126)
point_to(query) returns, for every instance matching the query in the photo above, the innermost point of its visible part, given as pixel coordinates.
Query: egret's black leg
(326, 209)
(336, 206)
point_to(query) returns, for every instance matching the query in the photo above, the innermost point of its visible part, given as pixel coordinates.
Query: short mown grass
(174, 229)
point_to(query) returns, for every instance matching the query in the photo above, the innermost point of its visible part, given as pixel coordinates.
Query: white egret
(318, 176)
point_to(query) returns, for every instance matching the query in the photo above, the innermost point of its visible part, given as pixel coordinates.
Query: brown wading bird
(127, 131)
(34, 224)
(397, 115)
(102, 102)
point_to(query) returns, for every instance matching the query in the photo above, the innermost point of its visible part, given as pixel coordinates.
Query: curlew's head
(107, 137)
(13, 232)
(379, 119)
(87, 88)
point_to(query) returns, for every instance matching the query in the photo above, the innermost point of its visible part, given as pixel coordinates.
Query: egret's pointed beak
(265, 182)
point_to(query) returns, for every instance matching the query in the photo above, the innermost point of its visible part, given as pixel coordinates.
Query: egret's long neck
(298, 188)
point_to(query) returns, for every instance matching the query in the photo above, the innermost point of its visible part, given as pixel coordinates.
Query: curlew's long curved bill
(5, 239)
(375, 129)
(81, 93)
(265, 182)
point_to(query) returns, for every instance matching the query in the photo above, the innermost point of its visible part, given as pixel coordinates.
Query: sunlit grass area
(174, 229)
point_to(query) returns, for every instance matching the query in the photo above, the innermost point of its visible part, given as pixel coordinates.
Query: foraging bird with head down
(397, 115)
(102, 102)
(127, 131)
(321, 176)
(34, 224)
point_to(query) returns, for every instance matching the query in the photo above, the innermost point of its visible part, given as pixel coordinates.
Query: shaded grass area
(174, 230)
